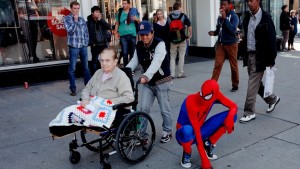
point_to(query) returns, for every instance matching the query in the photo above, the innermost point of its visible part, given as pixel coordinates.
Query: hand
(134, 18)
(223, 13)
(84, 103)
(229, 125)
(99, 17)
(143, 80)
(211, 33)
(117, 35)
(75, 17)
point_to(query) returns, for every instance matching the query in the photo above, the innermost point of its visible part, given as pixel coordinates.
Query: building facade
(30, 28)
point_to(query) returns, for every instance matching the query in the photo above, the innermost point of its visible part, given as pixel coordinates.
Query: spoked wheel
(107, 140)
(134, 141)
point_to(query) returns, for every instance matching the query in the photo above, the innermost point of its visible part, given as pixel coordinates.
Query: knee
(185, 134)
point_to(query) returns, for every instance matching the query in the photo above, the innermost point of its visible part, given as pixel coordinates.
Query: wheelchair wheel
(107, 140)
(134, 144)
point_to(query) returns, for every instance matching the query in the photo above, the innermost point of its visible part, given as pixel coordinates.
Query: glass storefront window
(31, 29)
(275, 11)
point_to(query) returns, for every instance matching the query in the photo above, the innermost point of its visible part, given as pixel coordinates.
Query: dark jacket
(94, 26)
(145, 57)
(285, 23)
(228, 34)
(265, 38)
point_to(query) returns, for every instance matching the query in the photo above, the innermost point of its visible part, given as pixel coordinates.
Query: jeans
(128, 43)
(162, 93)
(73, 54)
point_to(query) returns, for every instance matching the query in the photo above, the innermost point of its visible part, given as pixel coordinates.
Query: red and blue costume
(192, 126)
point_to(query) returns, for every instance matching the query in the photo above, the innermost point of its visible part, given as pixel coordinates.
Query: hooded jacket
(185, 20)
(97, 25)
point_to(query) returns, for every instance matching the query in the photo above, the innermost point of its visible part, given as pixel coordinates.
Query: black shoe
(208, 149)
(234, 89)
(36, 60)
(73, 93)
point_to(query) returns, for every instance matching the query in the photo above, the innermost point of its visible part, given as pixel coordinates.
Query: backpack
(176, 24)
(177, 33)
(128, 18)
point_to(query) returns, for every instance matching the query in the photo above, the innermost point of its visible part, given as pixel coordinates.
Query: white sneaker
(247, 118)
(272, 106)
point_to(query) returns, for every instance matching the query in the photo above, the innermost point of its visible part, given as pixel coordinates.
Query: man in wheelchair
(108, 86)
(111, 83)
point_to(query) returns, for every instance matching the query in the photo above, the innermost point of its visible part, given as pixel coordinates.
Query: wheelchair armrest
(122, 105)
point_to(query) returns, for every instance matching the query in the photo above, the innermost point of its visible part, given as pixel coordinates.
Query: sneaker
(186, 160)
(247, 118)
(208, 149)
(73, 93)
(272, 106)
(181, 76)
(166, 137)
(234, 89)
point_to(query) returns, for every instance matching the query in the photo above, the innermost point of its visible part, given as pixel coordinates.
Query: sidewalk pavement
(271, 141)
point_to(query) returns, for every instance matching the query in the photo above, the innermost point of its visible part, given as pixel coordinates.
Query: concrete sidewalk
(272, 141)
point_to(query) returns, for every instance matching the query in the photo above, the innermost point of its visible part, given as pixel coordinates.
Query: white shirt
(254, 21)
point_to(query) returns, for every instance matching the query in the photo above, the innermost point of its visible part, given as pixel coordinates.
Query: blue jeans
(73, 54)
(128, 43)
(162, 93)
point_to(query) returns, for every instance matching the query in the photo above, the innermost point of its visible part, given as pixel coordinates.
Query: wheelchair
(132, 139)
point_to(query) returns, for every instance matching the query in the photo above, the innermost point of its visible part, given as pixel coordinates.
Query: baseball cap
(145, 27)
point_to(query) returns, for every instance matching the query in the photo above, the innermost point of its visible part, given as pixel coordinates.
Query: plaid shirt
(78, 35)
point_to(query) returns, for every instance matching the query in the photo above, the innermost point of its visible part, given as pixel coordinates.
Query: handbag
(269, 81)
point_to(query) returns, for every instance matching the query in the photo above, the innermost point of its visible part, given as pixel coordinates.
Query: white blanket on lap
(97, 113)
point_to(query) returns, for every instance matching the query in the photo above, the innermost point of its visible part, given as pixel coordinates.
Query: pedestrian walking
(227, 44)
(178, 21)
(151, 54)
(162, 29)
(261, 48)
(78, 40)
(126, 21)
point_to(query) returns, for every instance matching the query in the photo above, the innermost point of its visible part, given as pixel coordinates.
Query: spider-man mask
(209, 91)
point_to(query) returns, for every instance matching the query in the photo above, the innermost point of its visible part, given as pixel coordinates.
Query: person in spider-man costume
(192, 126)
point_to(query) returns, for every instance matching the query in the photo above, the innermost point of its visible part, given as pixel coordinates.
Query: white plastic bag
(269, 81)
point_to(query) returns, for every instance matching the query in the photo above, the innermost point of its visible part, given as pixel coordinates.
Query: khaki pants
(231, 52)
(255, 86)
(181, 48)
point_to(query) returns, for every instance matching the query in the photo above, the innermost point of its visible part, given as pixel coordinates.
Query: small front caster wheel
(74, 157)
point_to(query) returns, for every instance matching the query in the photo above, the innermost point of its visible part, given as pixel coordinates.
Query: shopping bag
(269, 81)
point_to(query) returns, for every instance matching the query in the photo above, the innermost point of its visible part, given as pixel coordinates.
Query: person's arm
(158, 58)
(124, 91)
(106, 25)
(188, 23)
(86, 91)
(271, 35)
(70, 24)
(215, 32)
(231, 23)
(134, 62)
(229, 121)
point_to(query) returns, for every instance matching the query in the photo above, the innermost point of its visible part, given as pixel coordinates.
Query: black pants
(291, 38)
(96, 50)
